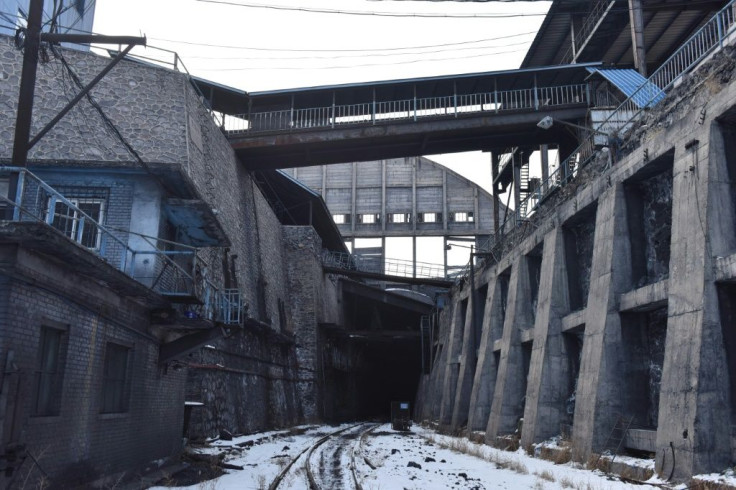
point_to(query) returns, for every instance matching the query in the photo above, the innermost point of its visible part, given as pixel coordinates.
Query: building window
(71, 222)
(462, 217)
(399, 218)
(4, 190)
(341, 219)
(429, 217)
(369, 219)
(50, 371)
(116, 379)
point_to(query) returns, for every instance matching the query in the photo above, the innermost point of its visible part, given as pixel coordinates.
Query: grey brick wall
(80, 438)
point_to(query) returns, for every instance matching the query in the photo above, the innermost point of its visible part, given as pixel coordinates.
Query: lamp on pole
(548, 121)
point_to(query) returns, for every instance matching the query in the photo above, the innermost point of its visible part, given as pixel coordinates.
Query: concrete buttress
(452, 364)
(693, 389)
(547, 385)
(599, 397)
(468, 360)
(508, 396)
(485, 372)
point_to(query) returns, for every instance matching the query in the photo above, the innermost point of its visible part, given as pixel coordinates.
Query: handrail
(535, 99)
(710, 36)
(177, 272)
(380, 265)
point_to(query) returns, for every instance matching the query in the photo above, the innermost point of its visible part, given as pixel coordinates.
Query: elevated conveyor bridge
(399, 118)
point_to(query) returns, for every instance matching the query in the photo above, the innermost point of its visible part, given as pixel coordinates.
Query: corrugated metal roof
(632, 84)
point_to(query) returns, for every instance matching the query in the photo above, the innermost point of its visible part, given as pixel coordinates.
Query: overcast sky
(294, 43)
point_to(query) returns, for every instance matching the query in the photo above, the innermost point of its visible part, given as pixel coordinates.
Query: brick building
(143, 268)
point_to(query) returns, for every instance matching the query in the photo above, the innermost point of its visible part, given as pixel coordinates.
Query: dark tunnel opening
(375, 357)
(392, 373)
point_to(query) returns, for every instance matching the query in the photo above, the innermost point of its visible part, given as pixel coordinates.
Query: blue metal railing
(710, 37)
(177, 271)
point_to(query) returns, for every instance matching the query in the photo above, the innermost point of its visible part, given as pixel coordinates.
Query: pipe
(672, 447)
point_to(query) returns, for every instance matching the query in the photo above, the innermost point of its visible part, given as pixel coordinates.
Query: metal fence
(378, 265)
(375, 112)
(172, 269)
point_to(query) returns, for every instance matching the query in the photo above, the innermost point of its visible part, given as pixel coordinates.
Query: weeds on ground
(261, 481)
(565, 482)
(464, 446)
(546, 475)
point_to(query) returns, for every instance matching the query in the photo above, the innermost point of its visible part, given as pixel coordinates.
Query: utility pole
(31, 46)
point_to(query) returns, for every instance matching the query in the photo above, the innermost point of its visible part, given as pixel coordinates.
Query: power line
(332, 57)
(356, 50)
(362, 65)
(374, 14)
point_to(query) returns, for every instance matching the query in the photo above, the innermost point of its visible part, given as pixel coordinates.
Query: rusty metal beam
(91, 39)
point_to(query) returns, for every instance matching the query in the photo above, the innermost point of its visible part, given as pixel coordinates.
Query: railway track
(327, 460)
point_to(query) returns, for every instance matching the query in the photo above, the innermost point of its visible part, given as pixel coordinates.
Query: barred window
(462, 217)
(369, 219)
(50, 371)
(429, 217)
(116, 379)
(399, 218)
(72, 221)
(341, 219)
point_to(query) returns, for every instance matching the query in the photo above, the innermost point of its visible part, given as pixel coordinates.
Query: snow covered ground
(421, 459)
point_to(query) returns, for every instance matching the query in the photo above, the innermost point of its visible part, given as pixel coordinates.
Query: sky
(257, 45)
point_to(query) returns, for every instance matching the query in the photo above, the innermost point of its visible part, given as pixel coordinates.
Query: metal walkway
(390, 270)
(398, 118)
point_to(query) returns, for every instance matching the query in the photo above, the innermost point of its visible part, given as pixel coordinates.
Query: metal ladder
(616, 437)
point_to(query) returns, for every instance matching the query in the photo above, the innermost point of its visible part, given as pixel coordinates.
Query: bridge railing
(712, 35)
(383, 266)
(376, 112)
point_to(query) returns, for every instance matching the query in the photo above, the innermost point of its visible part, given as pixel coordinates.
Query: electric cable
(337, 67)
(355, 50)
(376, 14)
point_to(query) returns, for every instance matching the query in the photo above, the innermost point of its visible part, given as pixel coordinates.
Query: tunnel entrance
(374, 356)
(390, 372)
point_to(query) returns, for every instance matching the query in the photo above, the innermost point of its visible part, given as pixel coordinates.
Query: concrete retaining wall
(628, 320)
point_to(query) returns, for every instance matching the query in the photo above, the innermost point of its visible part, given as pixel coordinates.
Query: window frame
(422, 217)
(344, 218)
(48, 380)
(75, 218)
(375, 217)
(403, 218)
(469, 217)
(115, 392)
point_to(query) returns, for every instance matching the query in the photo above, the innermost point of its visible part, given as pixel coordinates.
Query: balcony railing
(174, 270)
(376, 112)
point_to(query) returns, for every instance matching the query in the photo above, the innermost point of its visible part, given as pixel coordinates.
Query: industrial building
(414, 200)
(163, 277)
